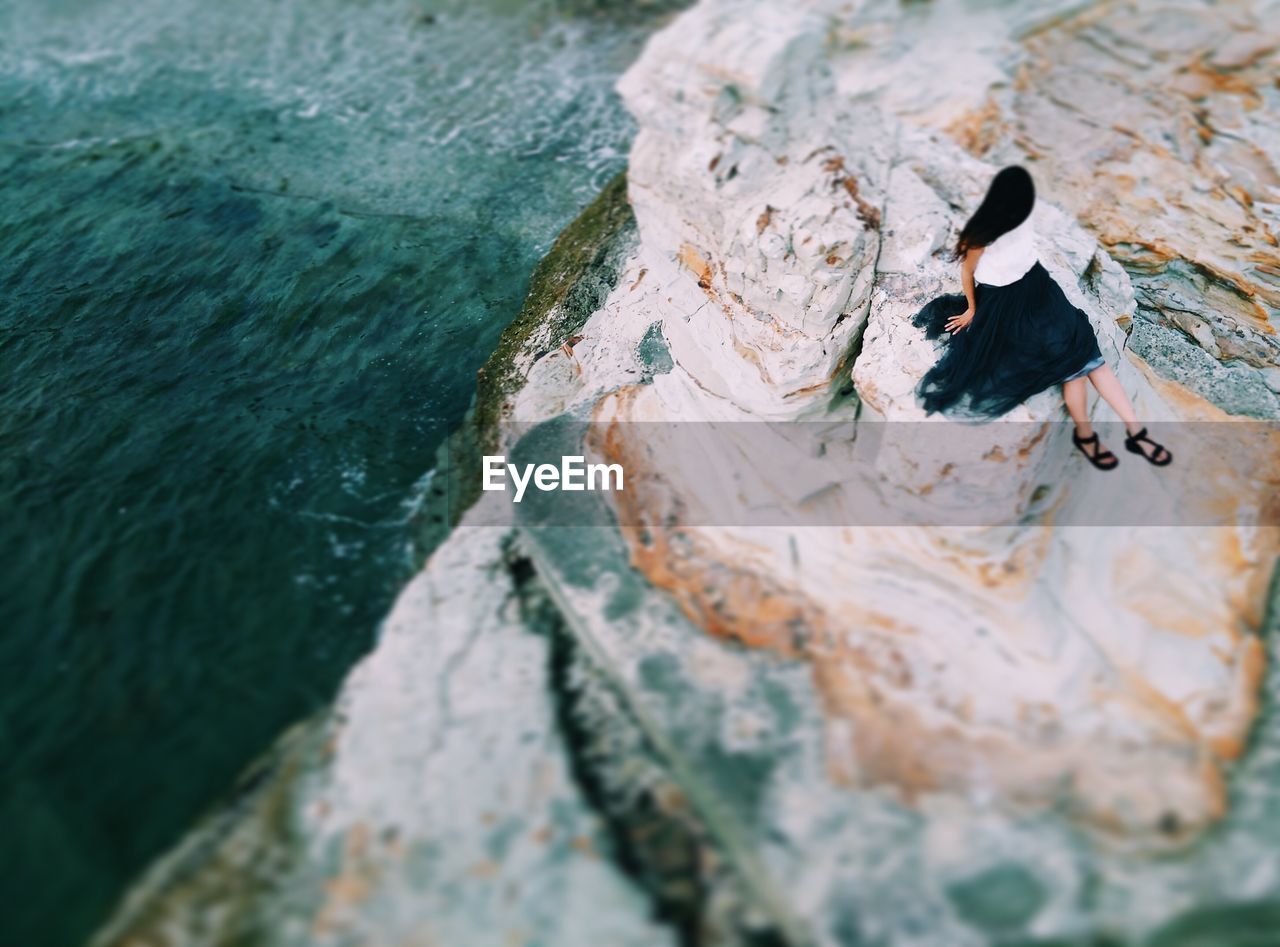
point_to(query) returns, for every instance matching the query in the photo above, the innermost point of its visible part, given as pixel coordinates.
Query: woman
(1019, 334)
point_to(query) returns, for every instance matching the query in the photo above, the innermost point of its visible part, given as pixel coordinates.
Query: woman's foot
(1094, 452)
(1139, 443)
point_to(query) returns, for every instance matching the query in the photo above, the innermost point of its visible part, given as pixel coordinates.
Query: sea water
(252, 253)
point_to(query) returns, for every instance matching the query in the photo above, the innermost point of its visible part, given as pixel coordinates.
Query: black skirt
(1024, 337)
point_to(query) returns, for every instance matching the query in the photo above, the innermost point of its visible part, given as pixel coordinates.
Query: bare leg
(1108, 385)
(1074, 394)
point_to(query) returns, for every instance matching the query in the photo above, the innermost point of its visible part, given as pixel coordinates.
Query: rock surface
(473, 815)
(1155, 123)
(783, 222)
(692, 728)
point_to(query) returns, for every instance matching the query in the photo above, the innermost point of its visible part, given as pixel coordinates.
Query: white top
(1008, 258)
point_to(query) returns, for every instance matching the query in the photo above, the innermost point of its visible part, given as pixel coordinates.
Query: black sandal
(1102, 459)
(1159, 457)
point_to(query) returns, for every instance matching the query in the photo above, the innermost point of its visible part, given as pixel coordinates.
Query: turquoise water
(251, 256)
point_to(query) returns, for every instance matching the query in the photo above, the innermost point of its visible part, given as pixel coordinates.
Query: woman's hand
(956, 323)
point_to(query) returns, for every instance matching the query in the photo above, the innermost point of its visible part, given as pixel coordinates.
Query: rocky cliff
(723, 707)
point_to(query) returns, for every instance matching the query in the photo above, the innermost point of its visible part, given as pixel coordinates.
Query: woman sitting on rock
(1019, 333)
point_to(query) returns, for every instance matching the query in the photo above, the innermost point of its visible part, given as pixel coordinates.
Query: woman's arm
(967, 266)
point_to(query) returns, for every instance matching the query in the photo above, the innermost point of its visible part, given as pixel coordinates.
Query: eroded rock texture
(783, 221)
(688, 728)
(1155, 123)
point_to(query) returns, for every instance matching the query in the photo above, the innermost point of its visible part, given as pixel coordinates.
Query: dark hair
(1007, 204)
